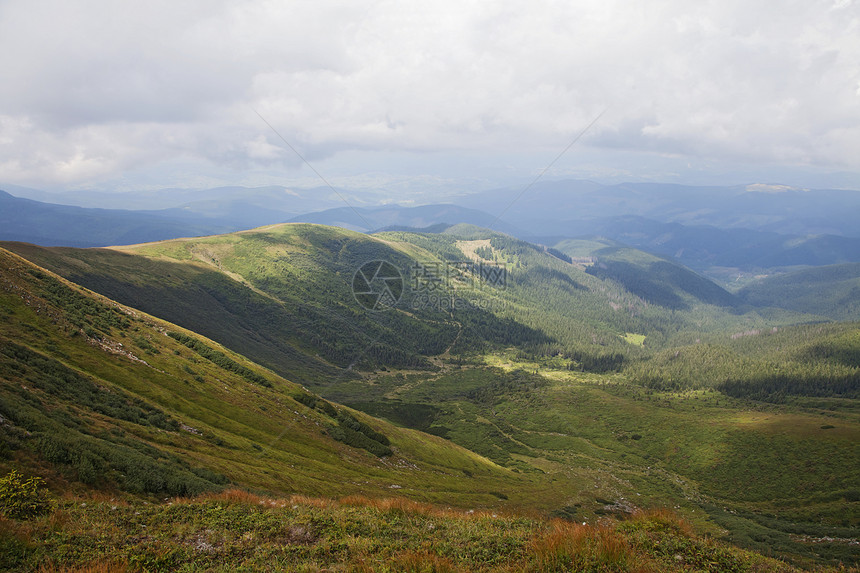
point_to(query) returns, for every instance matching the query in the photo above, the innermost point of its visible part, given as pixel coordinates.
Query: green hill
(96, 394)
(654, 279)
(586, 398)
(283, 296)
(830, 291)
(586, 310)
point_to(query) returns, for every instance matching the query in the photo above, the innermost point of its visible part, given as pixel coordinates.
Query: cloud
(93, 89)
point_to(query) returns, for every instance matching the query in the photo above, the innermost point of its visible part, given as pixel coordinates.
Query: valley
(466, 287)
(586, 390)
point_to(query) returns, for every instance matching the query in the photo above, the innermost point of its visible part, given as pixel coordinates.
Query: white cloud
(95, 89)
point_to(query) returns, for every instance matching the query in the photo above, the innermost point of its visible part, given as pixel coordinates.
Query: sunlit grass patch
(634, 339)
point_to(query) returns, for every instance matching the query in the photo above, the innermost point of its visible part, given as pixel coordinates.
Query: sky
(465, 94)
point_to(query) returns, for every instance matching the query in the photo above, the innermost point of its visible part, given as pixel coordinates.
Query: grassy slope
(281, 296)
(632, 443)
(234, 530)
(579, 310)
(78, 370)
(577, 430)
(611, 445)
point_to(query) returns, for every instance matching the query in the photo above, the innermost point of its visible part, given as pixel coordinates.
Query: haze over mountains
(764, 207)
(753, 225)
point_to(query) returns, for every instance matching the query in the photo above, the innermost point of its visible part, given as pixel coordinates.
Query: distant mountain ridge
(702, 247)
(747, 228)
(758, 207)
(370, 219)
(63, 225)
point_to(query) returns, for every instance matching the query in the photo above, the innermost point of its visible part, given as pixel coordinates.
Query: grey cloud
(93, 89)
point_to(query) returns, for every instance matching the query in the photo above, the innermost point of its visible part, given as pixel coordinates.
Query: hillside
(654, 279)
(570, 383)
(831, 291)
(283, 296)
(99, 395)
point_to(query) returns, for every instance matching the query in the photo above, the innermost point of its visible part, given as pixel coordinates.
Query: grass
(603, 446)
(634, 339)
(240, 530)
(81, 408)
(541, 433)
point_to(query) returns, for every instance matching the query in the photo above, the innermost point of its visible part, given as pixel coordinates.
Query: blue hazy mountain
(546, 206)
(705, 246)
(745, 227)
(64, 225)
(390, 217)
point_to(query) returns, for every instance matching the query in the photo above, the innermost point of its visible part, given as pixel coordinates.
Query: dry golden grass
(400, 504)
(566, 546)
(666, 518)
(318, 502)
(231, 496)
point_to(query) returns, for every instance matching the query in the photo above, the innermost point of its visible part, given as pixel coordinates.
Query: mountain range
(751, 228)
(586, 377)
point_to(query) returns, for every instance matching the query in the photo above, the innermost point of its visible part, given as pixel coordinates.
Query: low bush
(24, 498)
(220, 359)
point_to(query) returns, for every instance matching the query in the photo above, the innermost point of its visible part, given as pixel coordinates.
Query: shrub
(220, 359)
(23, 498)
